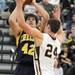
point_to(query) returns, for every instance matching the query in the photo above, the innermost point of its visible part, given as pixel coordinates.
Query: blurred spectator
(70, 22)
(72, 6)
(69, 51)
(65, 10)
(64, 58)
(30, 8)
(71, 43)
(3, 5)
(68, 7)
(65, 4)
(11, 4)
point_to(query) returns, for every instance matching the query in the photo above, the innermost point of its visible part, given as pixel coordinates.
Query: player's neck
(52, 35)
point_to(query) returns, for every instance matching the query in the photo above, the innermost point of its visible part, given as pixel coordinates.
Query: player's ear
(48, 26)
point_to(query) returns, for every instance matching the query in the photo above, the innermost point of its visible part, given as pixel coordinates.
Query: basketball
(28, 1)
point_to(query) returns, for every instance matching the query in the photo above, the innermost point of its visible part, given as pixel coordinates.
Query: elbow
(10, 22)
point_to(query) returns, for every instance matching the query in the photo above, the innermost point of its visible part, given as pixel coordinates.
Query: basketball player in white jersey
(49, 44)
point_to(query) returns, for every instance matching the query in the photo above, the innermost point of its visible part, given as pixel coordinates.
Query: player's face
(31, 21)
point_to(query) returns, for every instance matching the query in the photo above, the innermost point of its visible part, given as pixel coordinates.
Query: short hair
(33, 15)
(54, 25)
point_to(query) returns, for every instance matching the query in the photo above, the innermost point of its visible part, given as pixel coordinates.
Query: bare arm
(56, 12)
(44, 15)
(27, 28)
(13, 24)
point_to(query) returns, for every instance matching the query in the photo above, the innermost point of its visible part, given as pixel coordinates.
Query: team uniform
(49, 50)
(24, 55)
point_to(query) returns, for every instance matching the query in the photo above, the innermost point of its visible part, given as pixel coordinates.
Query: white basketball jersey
(49, 49)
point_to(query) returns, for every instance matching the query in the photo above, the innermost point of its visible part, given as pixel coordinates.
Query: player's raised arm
(27, 28)
(43, 14)
(13, 24)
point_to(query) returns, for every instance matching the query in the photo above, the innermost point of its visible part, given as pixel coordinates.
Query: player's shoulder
(45, 35)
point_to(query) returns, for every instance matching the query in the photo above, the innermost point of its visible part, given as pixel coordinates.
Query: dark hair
(33, 15)
(54, 25)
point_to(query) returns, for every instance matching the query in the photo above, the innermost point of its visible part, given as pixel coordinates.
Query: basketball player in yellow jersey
(25, 43)
(49, 44)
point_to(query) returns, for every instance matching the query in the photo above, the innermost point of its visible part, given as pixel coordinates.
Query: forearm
(44, 15)
(20, 16)
(13, 17)
(13, 23)
(21, 19)
(41, 10)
